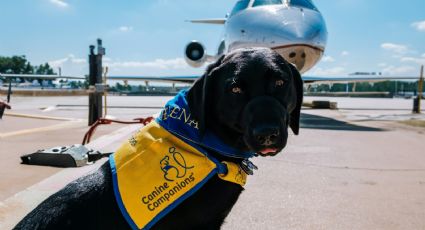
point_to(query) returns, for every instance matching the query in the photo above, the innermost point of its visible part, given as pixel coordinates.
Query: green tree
(20, 65)
(323, 88)
(29, 69)
(338, 87)
(119, 87)
(15, 64)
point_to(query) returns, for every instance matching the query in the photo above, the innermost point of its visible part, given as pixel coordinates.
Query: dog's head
(248, 98)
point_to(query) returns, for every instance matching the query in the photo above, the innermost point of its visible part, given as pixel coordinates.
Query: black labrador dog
(248, 98)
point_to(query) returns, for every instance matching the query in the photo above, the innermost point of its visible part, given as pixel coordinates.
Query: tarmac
(357, 167)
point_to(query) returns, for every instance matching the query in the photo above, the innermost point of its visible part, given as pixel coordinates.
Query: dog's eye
(237, 90)
(279, 83)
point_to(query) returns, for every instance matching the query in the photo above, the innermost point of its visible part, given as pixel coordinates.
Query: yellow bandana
(155, 171)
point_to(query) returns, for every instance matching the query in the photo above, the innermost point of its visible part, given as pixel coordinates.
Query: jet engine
(195, 54)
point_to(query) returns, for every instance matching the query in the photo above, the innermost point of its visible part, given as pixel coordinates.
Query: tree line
(385, 86)
(20, 65)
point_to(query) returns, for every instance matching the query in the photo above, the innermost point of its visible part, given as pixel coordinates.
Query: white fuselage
(298, 34)
(293, 28)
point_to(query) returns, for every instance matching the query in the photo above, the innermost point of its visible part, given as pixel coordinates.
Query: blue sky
(147, 37)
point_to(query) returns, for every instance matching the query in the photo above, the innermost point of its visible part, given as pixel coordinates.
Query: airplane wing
(355, 78)
(307, 79)
(38, 76)
(217, 21)
(169, 79)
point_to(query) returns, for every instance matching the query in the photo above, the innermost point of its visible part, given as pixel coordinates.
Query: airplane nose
(302, 35)
(298, 34)
(301, 25)
(301, 31)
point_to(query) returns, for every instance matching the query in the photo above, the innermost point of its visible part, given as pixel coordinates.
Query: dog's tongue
(267, 151)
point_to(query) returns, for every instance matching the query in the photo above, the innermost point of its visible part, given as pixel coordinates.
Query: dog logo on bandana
(174, 165)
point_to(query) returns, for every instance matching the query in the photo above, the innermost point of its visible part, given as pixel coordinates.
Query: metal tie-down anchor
(64, 156)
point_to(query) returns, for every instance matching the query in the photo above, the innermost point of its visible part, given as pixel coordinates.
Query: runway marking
(39, 117)
(39, 130)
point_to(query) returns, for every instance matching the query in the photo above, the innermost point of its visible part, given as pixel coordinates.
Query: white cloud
(71, 65)
(177, 63)
(345, 53)
(107, 59)
(328, 59)
(59, 3)
(71, 59)
(423, 55)
(420, 61)
(157, 67)
(420, 26)
(126, 28)
(334, 71)
(74, 66)
(397, 48)
(399, 70)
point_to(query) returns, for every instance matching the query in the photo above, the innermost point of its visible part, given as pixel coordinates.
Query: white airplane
(294, 28)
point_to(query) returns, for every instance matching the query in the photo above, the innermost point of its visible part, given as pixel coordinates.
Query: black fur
(89, 202)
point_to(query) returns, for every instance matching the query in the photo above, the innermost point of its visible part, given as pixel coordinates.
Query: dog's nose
(266, 136)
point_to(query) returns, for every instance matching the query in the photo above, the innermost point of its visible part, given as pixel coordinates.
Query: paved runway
(353, 168)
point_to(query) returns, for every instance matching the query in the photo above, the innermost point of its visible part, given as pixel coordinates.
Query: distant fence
(79, 92)
(45, 92)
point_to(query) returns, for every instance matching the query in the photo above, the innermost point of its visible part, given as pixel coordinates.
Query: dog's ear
(199, 95)
(295, 115)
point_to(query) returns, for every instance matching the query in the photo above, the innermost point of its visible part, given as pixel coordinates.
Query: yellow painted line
(39, 117)
(39, 130)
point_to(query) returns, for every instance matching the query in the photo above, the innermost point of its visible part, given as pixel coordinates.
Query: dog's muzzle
(266, 126)
(269, 140)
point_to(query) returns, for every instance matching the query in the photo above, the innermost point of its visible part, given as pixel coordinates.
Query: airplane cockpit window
(303, 3)
(240, 5)
(266, 2)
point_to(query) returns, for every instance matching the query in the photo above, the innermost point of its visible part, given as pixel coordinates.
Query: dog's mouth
(264, 149)
(268, 152)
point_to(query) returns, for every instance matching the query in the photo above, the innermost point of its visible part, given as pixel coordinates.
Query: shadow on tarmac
(309, 121)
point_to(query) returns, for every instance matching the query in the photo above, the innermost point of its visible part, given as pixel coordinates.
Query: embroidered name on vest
(180, 114)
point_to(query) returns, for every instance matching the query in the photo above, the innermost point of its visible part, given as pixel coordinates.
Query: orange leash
(104, 121)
